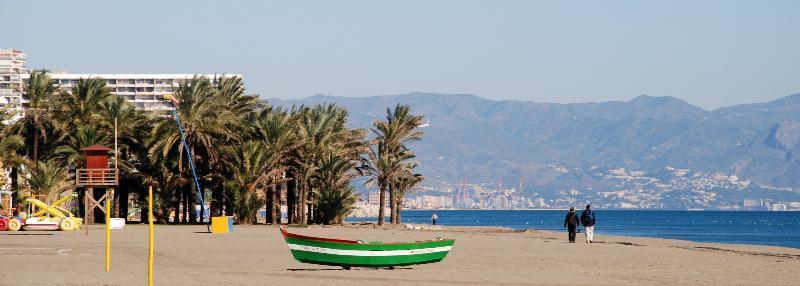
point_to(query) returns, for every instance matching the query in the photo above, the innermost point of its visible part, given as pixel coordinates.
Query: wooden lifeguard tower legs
(90, 204)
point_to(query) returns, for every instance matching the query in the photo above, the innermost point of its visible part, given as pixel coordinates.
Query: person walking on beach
(588, 220)
(571, 223)
(434, 217)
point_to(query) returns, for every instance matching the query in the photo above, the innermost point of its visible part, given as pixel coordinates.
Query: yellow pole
(150, 237)
(108, 231)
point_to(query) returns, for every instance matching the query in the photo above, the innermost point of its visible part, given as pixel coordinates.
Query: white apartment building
(145, 91)
(12, 65)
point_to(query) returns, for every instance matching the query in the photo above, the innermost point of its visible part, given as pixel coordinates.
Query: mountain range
(550, 145)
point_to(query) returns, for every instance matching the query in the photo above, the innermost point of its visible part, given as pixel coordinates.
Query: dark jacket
(572, 220)
(587, 218)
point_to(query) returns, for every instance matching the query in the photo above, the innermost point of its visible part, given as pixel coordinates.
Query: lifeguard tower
(97, 174)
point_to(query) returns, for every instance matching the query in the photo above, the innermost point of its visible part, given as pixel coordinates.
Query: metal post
(116, 164)
(108, 231)
(191, 166)
(150, 236)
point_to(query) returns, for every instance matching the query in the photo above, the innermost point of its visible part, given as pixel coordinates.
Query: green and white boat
(356, 253)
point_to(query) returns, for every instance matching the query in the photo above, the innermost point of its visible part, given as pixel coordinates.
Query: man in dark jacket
(571, 223)
(588, 220)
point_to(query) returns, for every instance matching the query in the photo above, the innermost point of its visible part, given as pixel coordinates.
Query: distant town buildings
(374, 198)
(145, 91)
(752, 204)
(779, 207)
(628, 189)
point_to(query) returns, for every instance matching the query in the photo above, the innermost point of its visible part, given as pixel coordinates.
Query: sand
(257, 255)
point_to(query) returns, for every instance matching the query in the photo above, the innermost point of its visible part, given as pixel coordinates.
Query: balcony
(96, 177)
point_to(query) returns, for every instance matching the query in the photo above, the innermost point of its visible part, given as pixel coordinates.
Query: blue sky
(709, 53)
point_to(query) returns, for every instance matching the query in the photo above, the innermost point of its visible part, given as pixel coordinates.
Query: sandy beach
(257, 255)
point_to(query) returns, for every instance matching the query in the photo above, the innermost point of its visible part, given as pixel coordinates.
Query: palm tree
(322, 132)
(231, 89)
(385, 160)
(403, 184)
(10, 144)
(275, 128)
(81, 104)
(207, 123)
(335, 198)
(38, 92)
(400, 128)
(381, 167)
(316, 132)
(132, 127)
(131, 123)
(47, 179)
(8, 155)
(70, 153)
(8, 148)
(334, 205)
(252, 166)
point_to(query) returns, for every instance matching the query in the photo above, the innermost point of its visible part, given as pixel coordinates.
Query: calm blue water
(767, 228)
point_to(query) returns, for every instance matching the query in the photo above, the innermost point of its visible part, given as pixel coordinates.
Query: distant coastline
(612, 209)
(739, 227)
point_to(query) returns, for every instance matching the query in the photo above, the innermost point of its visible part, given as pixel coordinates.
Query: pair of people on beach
(573, 221)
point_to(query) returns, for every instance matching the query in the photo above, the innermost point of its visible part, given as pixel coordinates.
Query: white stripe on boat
(368, 252)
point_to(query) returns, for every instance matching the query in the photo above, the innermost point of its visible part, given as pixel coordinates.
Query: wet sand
(257, 255)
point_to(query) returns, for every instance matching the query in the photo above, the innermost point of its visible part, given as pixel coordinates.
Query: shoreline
(564, 209)
(258, 254)
(746, 228)
(597, 233)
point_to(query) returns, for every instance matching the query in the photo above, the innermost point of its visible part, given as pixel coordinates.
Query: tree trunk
(303, 204)
(176, 205)
(382, 206)
(291, 197)
(117, 202)
(185, 211)
(276, 203)
(202, 207)
(215, 208)
(35, 146)
(191, 201)
(14, 187)
(227, 202)
(392, 205)
(144, 214)
(267, 204)
(313, 213)
(399, 208)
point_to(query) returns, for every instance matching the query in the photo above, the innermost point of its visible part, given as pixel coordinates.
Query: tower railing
(96, 177)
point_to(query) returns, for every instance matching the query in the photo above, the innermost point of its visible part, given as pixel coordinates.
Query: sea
(739, 227)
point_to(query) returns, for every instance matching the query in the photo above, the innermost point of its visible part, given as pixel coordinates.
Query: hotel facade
(12, 67)
(145, 91)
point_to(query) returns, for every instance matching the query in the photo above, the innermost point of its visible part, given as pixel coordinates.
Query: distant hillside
(488, 141)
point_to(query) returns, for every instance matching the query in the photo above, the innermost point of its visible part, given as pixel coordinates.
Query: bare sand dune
(257, 255)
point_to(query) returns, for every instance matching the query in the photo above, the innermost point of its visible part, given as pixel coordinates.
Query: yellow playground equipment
(51, 217)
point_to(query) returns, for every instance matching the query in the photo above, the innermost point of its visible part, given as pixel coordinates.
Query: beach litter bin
(221, 224)
(117, 223)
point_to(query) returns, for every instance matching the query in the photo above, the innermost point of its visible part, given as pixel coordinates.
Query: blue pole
(191, 161)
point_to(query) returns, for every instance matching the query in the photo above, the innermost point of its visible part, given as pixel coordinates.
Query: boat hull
(356, 254)
(36, 223)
